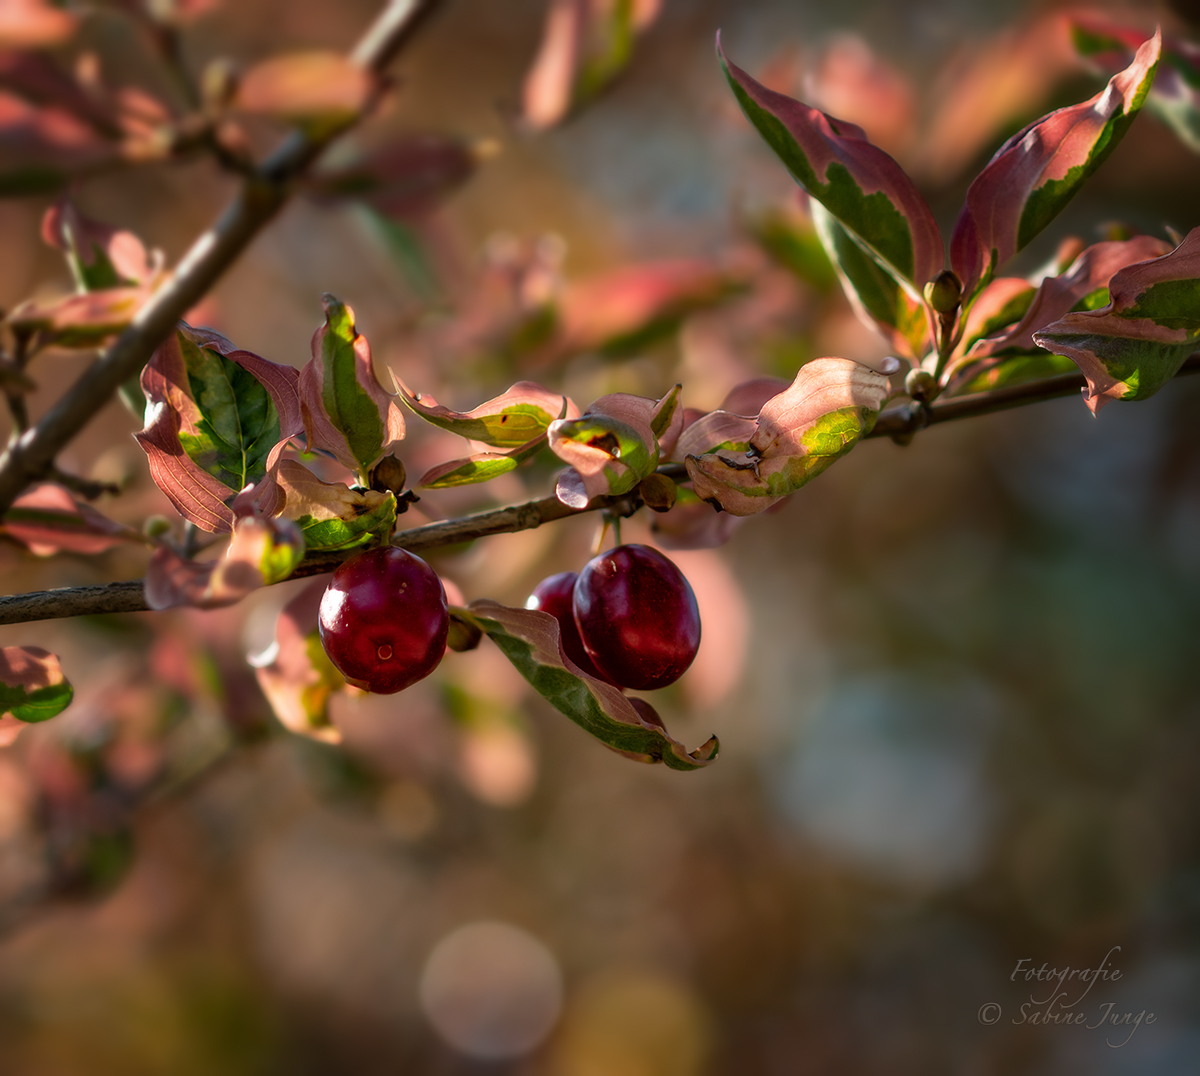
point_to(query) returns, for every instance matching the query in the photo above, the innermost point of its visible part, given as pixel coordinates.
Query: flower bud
(919, 384)
(944, 292)
(388, 475)
(658, 492)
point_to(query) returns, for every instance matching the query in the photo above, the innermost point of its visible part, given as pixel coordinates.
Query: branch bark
(900, 422)
(31, 455)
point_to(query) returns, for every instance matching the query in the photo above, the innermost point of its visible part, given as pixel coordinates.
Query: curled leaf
(530, 640)
(346, 410)
(100, 256)
(511, 420)
(216, 420)
(1037, 172)
(480, 467)
(1130, 348)
(32, 685)
(295, 673)
(821, 416)
(260, 552)
(611, 448)
(331, 515)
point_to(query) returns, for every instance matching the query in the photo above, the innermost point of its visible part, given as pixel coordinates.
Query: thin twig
(32, 454)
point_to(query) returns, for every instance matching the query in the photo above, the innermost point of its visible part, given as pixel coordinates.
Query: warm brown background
(955, 684)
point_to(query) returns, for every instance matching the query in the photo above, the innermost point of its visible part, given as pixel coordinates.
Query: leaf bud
(388, 475)
(156, 527)
(944, 292)
(658, 492)
(920, 384)
(219, 83)
(465, 632)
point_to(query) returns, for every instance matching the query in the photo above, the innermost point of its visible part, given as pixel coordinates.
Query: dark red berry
(383, 620)
(637, 617)
(554, 595)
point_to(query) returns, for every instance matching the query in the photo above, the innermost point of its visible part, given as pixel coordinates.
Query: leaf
(1057, 295)
(49, 520)
(295, 673)
(585, 45)
(623, 310)
(42, 148)
(317, 87)
(406, 178)
(481, 467)
(821, 416)
(32, 685)
(1008, 370)
(530, 639)
(217, 418)
(1174, 97)
(1038, 171)
(346, 411)
(34, 24)
(1000, 305)
(877, 296)
(260, 552)
(716, 431)
(511, 420)
(83, 321)
(330, 514)
(99, 255)
(1129, 349)
(863, 189)
(611, 448)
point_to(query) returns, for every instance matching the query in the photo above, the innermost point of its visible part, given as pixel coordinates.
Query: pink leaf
(302, 86)
(48, 520)
(346, 410)
(34, 24)
(295, 674)
(510, 420)
(1037, 171)
(85, 320)
(88, 241)
(260, 552)
(863, 189)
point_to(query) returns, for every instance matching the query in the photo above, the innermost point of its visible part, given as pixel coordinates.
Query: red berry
(554, 595)
(383, 620)
(637, 617)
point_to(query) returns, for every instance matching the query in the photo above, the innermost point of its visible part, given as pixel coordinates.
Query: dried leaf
(530, 640)
(32, 685)
(346, 410)
(260, 552)
(1037, 172)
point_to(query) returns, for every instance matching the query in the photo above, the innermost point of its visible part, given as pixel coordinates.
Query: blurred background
(955, 682)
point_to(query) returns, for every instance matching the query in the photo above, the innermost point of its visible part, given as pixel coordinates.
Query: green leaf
(530, 640)
(1007, 370)
(330, 514)
(1130, 348)
(32, 685)
(876, 295)
(482, 467)
(346, 410)
(511, 420)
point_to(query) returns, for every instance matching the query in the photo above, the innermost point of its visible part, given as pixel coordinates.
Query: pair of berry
(629, 618)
